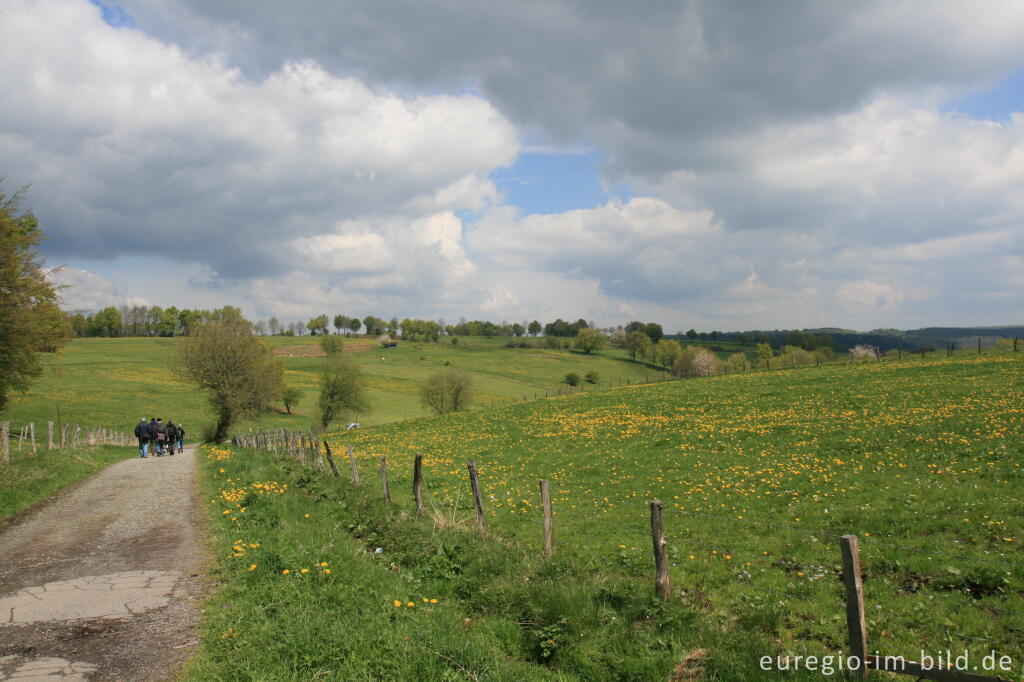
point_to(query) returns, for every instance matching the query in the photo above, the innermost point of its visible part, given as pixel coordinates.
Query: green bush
(572, 378)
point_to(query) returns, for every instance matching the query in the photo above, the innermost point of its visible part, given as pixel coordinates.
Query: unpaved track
(103, 582)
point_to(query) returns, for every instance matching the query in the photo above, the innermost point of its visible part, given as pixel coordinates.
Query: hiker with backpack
(172, 437)
(161, 436)
(142, 433)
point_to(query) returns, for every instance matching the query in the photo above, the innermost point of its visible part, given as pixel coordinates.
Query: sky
(707, 164)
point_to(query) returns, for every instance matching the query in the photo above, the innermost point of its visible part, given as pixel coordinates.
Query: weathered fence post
(662, 581)
(855, 622)
(330, 459)
(474, 482)
(49, 435)
(384, 480)
(5, 443)
(355, 466)
(417, 483)
(32, 430)
(545, 500)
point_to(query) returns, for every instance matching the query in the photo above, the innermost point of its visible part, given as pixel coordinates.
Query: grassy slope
(758, 473)
(112, 382)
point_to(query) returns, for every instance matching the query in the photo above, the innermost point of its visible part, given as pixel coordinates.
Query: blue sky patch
(553, 180)
(994, 104)
(114, 15)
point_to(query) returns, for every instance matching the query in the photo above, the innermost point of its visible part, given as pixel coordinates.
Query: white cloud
(84, 291)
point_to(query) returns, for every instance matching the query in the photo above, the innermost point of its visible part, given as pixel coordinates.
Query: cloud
(84, 291)
(137, 148)
(789, 166)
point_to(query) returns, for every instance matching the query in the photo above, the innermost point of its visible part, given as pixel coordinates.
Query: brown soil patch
(313, 350)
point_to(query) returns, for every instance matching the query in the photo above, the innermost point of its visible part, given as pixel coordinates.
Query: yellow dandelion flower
(252, 567)
(285, 572)
(397, 602)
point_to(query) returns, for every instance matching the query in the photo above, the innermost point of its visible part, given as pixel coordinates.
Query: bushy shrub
(572, 378)
(592, 377)
(447, 391)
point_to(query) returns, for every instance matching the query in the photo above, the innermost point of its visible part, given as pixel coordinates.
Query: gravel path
(102, 583)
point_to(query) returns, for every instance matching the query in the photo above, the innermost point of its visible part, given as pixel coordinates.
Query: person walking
(161, 436)
(142, 433)
(152, 436)
(172, 437)
(181, 438)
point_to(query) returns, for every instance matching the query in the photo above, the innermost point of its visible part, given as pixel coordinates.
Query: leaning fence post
(855, 622)
(384, 480)
(474, 482)
(662, 581)
(5, 443)
(545, 500)
(417, 483)
(355, 467)
(330, 459)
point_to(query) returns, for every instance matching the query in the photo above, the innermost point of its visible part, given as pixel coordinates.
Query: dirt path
(103, 582)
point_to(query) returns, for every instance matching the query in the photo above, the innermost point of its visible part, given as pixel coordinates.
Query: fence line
(70, 435)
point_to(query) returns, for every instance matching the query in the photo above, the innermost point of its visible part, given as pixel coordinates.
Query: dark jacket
(181, 433)
(172, 432)
(152, 429)
(142, 431)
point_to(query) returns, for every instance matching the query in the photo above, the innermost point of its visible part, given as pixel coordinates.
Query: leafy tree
(764, 353)
(592, 376)
(340, 323)
(240, 375)
(290, 396)
(331, 345)
(109, 323)
(635, 326)
(342, 391)
(738, 362)
(588, 340)
(30, 319)
(653, 331)
(518, 329)
(637, 343)
(318, 325)
(534, 328)
(667, 352)
(691, 333)
(354, 324)
(572, 379)
(446, 391)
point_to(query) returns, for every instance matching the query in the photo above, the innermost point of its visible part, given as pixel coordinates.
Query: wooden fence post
(662, 581)
(545, 500)
(355, 467)
(49, 435)
(855, 623)
(330, 459)
(384, 480)
(32, 430)
(474, 482)
(417, 483)
(5, 443)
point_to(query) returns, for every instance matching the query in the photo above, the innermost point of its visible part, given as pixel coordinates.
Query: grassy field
(113, 382)
(922, 459)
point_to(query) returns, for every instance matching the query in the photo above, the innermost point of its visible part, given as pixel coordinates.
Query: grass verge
(26, 481)
(321, 581)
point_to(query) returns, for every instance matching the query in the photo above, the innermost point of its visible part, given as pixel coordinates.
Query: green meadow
(759, 474)
(113, 382)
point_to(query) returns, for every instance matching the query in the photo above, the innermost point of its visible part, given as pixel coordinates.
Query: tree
(572, 379)
(653, 331)
(30, 319)
(446, 391)
(518, 329)
(342, 391)
(317, 325)
(764, 353)
(534, 328)
(691, 333)
(667, 352)
(637, 343)
(331, 345)
(588, 340)
(109, 323)
(274, 325)
(354, 324)
(340, 323)
(240, 375)
(290, 396)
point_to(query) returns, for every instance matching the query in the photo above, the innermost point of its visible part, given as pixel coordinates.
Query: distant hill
(927, 338)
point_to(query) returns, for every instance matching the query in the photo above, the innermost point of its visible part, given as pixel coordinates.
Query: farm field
(112, 382)
(759, 473)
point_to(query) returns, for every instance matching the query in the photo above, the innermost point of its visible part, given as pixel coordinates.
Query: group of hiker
(156, 437)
